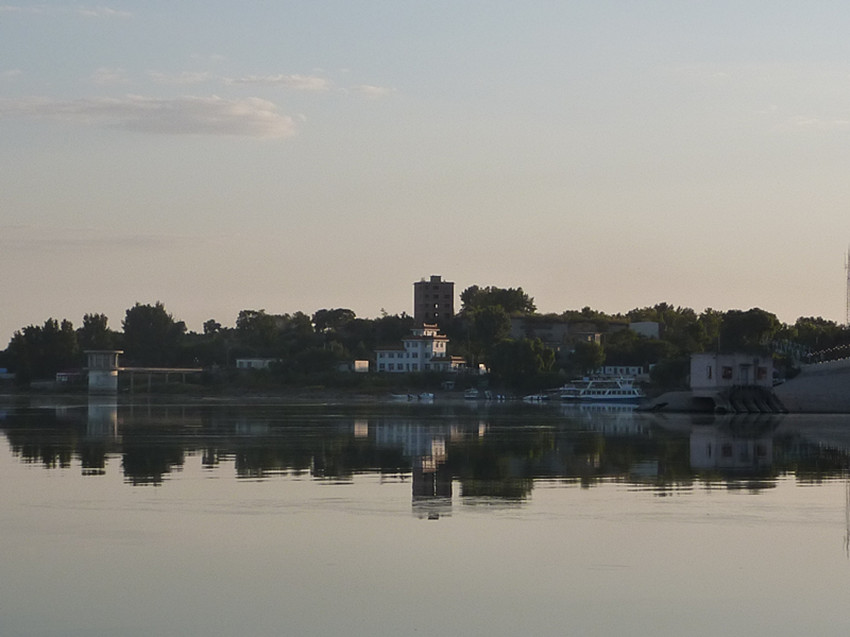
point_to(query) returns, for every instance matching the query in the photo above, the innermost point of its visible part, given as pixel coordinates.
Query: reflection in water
(489, 455)
(544, 518)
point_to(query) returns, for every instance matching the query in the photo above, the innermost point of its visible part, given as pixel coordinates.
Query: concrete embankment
(734, 400)
(818, 388)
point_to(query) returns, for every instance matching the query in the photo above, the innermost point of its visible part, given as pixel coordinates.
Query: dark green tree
(211, 327)
(587, 356)
(332, 320)
(95, 333)
(152, 336)
(487, 326)
(512, 300)
(520, 363)
(749, 331)
(39, 352)
(817, 333)
(711, 321)
(258, 331)
(626, 347)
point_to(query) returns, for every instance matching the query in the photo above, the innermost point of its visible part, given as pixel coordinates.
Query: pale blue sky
(220, 156)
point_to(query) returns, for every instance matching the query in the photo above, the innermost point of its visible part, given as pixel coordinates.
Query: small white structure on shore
(103, 370)
(255, 363)
(712, 372)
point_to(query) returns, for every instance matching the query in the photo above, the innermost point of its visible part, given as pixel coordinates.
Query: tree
(626, 347)
(818, 333)
(41, 351)
(512, 300)
(332, 320)
(151, 335)
(711, 320)
(211, 327)
(680, 326)
(257, 330)
(587, 356)
(749, 331)
(518, 363)
(95, 333)
(487, 327)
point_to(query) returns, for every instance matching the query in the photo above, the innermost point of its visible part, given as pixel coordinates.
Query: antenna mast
(847, 302)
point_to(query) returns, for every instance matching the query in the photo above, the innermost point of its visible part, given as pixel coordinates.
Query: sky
(292, 156)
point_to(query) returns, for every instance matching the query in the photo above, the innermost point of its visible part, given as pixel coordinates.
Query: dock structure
(103, 369)
(150, 372)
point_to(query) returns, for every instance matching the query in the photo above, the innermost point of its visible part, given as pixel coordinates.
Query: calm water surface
(452, 519)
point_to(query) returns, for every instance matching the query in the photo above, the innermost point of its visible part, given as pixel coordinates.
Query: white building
(355, 366)
(711, 372)
(255, 363)
(620, 370)
(423, 351)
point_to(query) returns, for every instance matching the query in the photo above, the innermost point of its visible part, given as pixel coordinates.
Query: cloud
(249, 117)
(368, 90)
(295, 82)
(89, 12)
(105, 75)
(186, 77)
(211, 57)
(804, 123)
(11, 73)
(8, 8)
(103, 12)
(35, 237)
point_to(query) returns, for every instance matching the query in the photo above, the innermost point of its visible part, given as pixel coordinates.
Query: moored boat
(602, 390)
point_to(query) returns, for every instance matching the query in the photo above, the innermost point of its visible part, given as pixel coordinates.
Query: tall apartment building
(433, 301)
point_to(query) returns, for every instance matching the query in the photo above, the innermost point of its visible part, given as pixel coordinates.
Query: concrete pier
(103, 370)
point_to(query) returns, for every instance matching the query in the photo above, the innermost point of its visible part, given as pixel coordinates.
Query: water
(384, 519)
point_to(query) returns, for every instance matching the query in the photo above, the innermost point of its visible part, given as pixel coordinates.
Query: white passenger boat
(602, 390)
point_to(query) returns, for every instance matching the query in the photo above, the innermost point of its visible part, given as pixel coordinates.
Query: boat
(535, 398)
(471, 394)
(619, 390)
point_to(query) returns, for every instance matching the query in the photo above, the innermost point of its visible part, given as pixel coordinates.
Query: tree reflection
(497, 453)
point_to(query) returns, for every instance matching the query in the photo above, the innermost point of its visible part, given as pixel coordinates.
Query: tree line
(309, 346)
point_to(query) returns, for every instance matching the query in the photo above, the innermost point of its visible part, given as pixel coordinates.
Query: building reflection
(731, 447)
(718, 448)
(454, 456)
(426, 445)
(102, 417)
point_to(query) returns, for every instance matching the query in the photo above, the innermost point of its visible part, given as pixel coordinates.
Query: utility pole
(847, 293)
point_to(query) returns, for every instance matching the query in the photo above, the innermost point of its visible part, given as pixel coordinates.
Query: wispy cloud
(89, 12)
(186, 77)
(29, 237)
(806, 123)
(105, 75)
(295, 82)
(11, 73)
(249, 117)
(9, 8)
(369, 90)
(208, 57)
(103, 12)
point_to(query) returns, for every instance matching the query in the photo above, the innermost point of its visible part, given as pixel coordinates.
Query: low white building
(355, 366)
(711, 372)
(423, 351)
(255, 363)
(620, 370)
